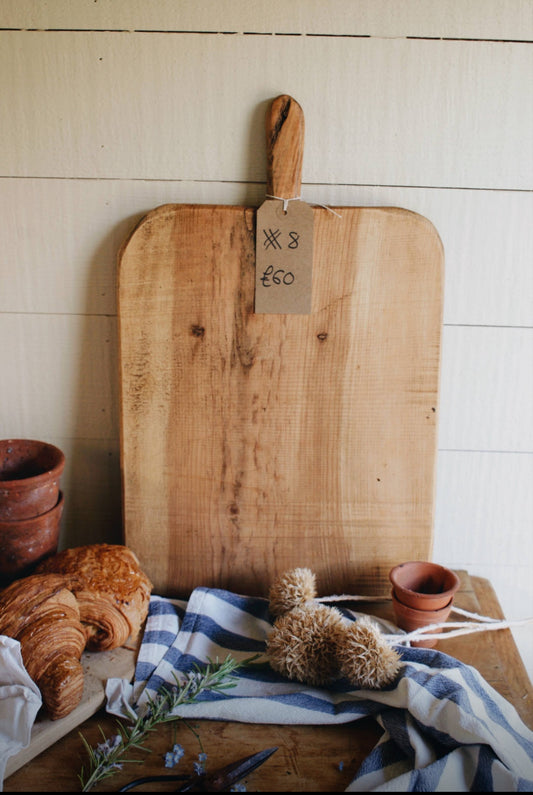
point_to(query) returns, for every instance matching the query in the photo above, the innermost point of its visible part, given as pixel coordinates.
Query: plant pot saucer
(410, 619)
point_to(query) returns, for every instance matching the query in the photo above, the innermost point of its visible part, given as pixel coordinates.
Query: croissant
(43, 615)
(112, 591)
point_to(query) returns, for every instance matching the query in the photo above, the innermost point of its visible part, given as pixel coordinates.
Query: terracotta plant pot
(422, 594)
(25, 542)
(410, 619)
(29, 478)
(422, 585)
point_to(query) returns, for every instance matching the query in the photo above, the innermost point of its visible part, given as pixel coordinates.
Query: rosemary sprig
(108, 756)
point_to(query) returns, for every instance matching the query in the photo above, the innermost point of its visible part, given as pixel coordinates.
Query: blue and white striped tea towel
(445, 728)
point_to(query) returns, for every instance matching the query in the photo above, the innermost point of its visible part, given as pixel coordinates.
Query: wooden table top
(309, 758)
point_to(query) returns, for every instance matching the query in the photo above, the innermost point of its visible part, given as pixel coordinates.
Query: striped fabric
(444, 727)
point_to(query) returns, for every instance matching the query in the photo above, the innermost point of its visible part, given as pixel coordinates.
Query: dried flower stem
(108, 756)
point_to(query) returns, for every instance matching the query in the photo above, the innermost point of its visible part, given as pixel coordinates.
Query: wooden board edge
(98, 667)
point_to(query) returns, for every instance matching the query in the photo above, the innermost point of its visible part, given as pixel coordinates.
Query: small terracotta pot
(410, 619)
(24, 543)
(29, 478)
(422, 585)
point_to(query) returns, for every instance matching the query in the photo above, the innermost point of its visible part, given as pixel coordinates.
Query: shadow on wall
(93, 503)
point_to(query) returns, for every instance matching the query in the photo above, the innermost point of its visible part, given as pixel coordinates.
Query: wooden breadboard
(252, 443)
(97, 668)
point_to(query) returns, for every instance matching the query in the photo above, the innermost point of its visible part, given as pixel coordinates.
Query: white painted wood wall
(112, 107)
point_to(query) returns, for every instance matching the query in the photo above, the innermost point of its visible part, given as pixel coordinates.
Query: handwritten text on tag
(284, 258)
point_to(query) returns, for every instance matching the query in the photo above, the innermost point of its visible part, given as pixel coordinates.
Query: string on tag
(297, 199)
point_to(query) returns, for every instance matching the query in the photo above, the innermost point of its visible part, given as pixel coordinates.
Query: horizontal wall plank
(403, 112)
(483, 509)
(486, 391)
(63, 372)
(60, 239)
(493, 19)
(483, 521)
(61, 376)
(92, 490)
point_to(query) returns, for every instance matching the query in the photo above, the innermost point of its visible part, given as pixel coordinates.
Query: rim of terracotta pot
(34, 448)
(30, 472)
(423, 585)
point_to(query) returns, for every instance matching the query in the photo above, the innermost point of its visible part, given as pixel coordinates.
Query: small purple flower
(193, 682)
(199, 767)
(173, 757)
(239, 788)
(110, 745)
(341, 765)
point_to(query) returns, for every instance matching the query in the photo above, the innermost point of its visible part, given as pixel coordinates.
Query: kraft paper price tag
(284, 258)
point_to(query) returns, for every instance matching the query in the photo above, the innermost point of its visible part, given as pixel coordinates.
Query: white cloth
(20, 701)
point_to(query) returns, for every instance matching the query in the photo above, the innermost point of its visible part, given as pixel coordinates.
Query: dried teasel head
(292, 589)
(302, 644)
(364, 656)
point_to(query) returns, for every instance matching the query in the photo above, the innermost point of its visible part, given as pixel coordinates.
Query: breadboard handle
(285, 147)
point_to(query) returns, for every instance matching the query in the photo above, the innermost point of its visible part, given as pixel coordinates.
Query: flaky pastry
(112, 591)
(43, 615)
